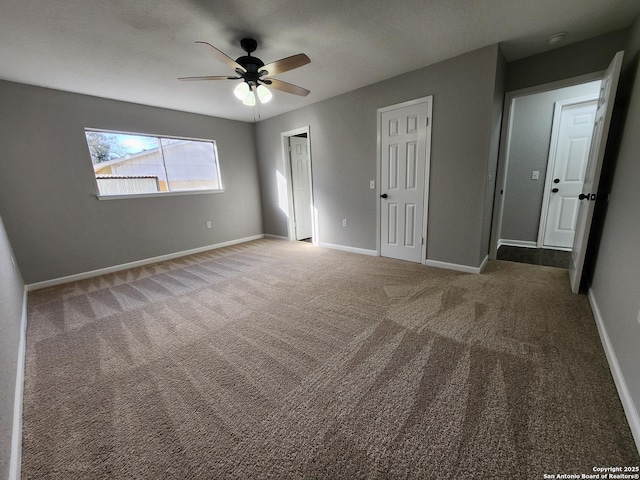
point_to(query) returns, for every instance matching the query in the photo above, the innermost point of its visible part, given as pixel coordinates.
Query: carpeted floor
(276, 359)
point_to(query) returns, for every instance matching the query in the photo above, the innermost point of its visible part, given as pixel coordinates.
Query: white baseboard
(138, 263)
(560, 249)
(15, 461)
(361, 251)
(625, 397)
(455, 266)
(517, 243)
(483, 264)
(276, 237)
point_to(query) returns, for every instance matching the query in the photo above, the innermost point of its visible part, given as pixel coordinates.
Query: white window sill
(157, 194)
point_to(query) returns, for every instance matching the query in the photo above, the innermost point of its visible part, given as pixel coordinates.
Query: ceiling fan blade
(221, 56)
(286, 87)
(286, 64)
(209, 77)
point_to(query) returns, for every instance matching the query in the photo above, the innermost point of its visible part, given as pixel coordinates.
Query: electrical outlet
(372, 184)
(344, 222)
(208, 224)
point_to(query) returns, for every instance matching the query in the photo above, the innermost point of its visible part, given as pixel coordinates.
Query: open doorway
(296, 148)
(542, 169)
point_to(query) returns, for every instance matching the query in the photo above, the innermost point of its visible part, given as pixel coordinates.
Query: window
(133, 164)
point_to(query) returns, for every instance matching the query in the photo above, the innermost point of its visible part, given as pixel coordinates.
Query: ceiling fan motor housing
(249, 63)
(248, 45)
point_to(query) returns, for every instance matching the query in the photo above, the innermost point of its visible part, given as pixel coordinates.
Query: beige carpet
(282, 360)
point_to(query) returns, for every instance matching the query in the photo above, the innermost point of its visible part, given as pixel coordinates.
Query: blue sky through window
(132, 144)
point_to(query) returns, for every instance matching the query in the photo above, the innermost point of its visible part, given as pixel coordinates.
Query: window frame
(169, 193)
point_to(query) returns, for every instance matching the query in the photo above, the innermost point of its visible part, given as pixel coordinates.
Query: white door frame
(284, 139)
(428, 100)
(505, 144)
(551, 162)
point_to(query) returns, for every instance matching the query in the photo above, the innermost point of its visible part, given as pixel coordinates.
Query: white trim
(501, 175)
(361, 251)
(551, 161)
(517, 243)
(560, 249)
(172, 193)
(148, 134)
(138, 263)
(378, 180)
(427, 177)
(275, 237)
(505, 136)
(408, 103)
(621, 385)
(16, 436)
(483, 265)
(455, 266)
(567, 82)
(428, 100)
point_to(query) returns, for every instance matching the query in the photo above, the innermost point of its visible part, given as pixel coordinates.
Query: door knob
(555, 190)
(583, 196)
(556, 180)
(384, 195)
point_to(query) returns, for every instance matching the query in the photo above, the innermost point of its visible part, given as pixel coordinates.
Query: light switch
(535, 175)
(372, 184)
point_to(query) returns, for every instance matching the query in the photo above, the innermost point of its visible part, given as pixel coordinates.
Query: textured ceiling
(135, 50)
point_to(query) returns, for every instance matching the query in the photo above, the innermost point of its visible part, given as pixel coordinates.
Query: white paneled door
(569, 164)
(301, 186)
(403, 164)
(608, 90)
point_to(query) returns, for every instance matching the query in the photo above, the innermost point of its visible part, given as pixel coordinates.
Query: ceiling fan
(253, 72)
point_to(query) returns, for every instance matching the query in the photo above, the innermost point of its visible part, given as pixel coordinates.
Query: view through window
(130, 163)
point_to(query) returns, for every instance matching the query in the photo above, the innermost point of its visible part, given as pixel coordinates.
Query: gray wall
(617, 269)
(11, 298)
(47, 188)
(343, 140)
(531, 125)
(580, 58)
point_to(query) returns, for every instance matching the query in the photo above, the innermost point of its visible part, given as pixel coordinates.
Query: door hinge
(422, 240)
(427, 121)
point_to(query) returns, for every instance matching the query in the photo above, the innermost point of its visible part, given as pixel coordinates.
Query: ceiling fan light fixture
(242, 91)
(264, 95)
(251, 99)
